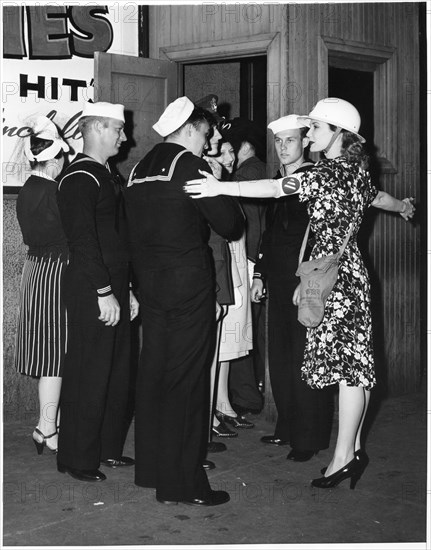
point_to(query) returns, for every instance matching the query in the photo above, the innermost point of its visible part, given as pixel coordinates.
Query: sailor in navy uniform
(174, 268)
(99, 303)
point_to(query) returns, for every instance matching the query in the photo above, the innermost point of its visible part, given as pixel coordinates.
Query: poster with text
(48, 69)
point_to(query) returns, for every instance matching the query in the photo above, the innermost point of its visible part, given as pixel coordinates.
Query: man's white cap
(103, 109)
(289, 122)
(174, 116)
(43, 128)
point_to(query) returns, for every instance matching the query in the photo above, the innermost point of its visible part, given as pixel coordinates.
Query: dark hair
(37, 145)
(352, 149)
(197, 117)
(303, 131)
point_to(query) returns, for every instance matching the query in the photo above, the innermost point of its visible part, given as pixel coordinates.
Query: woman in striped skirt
(42, 326)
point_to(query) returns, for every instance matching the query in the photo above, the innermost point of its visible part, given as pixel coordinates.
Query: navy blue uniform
(304, 414)
(174, 268)
(97, 366)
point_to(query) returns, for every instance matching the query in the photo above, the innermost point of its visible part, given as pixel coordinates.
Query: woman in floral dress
(338, 191)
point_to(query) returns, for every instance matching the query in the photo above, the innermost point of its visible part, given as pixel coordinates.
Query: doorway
(358, 88)
(239, 83)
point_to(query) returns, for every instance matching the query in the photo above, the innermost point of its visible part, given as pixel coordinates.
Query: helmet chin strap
(331, 143)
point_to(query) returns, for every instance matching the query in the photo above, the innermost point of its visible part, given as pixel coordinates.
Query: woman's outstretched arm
(387, 202)
(209, 186)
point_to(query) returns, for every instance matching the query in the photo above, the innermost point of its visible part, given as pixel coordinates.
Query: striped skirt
(41, 339)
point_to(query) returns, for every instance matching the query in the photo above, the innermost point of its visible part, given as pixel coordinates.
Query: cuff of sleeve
(106, 291)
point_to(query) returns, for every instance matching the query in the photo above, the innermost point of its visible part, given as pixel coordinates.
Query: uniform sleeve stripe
(104, 290)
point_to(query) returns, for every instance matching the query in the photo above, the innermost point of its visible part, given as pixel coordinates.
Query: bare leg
(49, 395)
(213, 375)
(223, 403)
(367, 395)
(352, 407)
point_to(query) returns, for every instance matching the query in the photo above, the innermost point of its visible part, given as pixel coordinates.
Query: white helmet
(338, 112)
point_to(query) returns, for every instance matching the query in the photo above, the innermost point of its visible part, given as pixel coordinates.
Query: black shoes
(216, 447)
(81, 475)
(223, 431)
(40, 445)
(300, 456)
(235, 421)
(208, 465)
(114, 463)
(214, 499)
(352, 470)
(360, 455)
(272, 440)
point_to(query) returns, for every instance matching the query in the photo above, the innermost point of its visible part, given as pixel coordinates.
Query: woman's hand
(215, 166)
(256, 291)
(410, 209)
(296, 296)
(202, 187)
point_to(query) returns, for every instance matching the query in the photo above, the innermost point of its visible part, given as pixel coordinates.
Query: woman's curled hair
(352, 149)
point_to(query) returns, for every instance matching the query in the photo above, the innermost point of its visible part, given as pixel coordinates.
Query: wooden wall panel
(185, 24)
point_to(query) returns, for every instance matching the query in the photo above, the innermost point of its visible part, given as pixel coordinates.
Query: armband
(290, 185)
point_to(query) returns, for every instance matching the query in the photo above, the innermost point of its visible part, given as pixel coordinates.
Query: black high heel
(41, 444)
(352, 470)
(360, 455)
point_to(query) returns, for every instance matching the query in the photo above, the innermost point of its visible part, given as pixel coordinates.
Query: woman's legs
(223, 403)
(367, 395)
(353, 402)
(49, 395)
(214, 372)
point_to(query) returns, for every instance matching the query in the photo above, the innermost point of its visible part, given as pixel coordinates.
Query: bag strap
(343, 246)
(304, 244)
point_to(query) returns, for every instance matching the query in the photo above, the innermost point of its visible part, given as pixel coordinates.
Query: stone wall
(19, 392)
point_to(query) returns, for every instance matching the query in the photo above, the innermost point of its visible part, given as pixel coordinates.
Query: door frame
(382, 61)
(221, 50)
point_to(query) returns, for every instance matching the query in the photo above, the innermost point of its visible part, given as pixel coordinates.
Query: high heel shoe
(360, 455)
(41, 444)
(352, 470)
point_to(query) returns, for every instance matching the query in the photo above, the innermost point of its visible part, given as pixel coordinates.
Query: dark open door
(145, 87)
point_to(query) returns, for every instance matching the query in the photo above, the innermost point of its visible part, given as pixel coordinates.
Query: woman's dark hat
(239, 129)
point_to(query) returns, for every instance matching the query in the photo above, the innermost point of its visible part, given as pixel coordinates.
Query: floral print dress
(339, 350)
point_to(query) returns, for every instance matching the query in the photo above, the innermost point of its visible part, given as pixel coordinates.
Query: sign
(48, 69)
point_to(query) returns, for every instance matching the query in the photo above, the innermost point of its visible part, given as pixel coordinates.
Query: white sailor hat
(289, 122)
(174, 116)
(43, 128)
(103, 109)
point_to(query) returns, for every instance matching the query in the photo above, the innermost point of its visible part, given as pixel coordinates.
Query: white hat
(43, 128)
(289, 122)
(337, 112)
(103, 109)
(174, 116)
